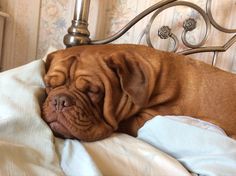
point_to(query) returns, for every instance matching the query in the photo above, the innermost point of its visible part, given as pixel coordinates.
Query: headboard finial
(78, 32)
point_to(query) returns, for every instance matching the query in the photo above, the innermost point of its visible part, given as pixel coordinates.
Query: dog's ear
(48, 61)
(133, 75)
(57, 69)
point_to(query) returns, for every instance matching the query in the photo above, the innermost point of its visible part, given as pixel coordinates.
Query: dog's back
(190, 87)
(170, 84)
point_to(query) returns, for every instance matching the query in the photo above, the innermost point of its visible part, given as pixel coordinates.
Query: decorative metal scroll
(189, 25)
(78, 33)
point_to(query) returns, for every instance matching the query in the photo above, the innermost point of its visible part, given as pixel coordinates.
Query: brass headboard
(78, 33)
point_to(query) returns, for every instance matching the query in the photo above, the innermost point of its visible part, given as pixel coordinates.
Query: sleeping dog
(96, 90)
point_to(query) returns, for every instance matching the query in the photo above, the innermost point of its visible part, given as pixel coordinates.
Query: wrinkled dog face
(74, 106)
(91, 89)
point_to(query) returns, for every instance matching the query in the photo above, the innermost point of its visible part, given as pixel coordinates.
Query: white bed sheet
(119, 155)
(203, 151)
(28, 147)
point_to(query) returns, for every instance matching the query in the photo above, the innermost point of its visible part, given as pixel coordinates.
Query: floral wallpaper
(56, 17)
(119, 12)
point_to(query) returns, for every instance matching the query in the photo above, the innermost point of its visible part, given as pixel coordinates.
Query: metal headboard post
(78, 32)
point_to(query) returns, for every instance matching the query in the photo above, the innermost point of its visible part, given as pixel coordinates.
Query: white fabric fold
(26, 143)
(202, 151)
(28, 147)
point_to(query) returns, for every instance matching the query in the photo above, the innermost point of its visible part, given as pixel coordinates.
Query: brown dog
(96, 90)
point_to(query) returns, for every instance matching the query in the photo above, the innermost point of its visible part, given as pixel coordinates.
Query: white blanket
(202, 151)
(27, 146)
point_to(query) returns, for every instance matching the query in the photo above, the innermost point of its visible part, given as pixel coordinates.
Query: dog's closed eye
(93, 91)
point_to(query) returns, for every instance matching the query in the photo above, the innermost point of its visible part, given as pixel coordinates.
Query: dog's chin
(86, 133)
(88, 136)
(60, 131)
(96, 134)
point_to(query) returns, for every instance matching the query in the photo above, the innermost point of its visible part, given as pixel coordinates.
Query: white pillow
(26, 143)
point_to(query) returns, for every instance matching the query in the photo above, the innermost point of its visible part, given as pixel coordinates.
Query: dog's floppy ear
(132, 74)
(48, 61)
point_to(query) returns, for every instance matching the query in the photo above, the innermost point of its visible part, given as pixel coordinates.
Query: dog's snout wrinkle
(61, 101)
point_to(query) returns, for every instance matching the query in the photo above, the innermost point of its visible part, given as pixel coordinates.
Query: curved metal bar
(141, 36)
(181, 3)
(230, 43)
(173, 36)
(202, 50)
(132, 22)
(214, 58)
(203, 41)
(78, 33)
(213, 22)
(164, 32)
(223, 48)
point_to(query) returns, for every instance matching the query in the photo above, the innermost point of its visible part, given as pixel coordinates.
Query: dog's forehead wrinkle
(72, 69)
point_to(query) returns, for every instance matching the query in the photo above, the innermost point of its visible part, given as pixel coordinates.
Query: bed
(170, 145)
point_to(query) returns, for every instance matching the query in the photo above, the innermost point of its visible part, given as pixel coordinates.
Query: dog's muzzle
(54, 113)
(72, 115)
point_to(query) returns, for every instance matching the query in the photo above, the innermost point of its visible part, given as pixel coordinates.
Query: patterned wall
(112, 15)
(54, 21)
(55, 18)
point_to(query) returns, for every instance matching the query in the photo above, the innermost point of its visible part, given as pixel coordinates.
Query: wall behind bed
(119, 12)
(38, 26)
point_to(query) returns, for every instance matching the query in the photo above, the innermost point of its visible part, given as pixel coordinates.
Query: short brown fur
(136, 83)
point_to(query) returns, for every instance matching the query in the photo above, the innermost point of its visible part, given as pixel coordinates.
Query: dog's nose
(61, 101)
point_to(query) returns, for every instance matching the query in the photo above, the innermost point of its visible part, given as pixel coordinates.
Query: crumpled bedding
(117, 155)
(28, 147)
(202, 150)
